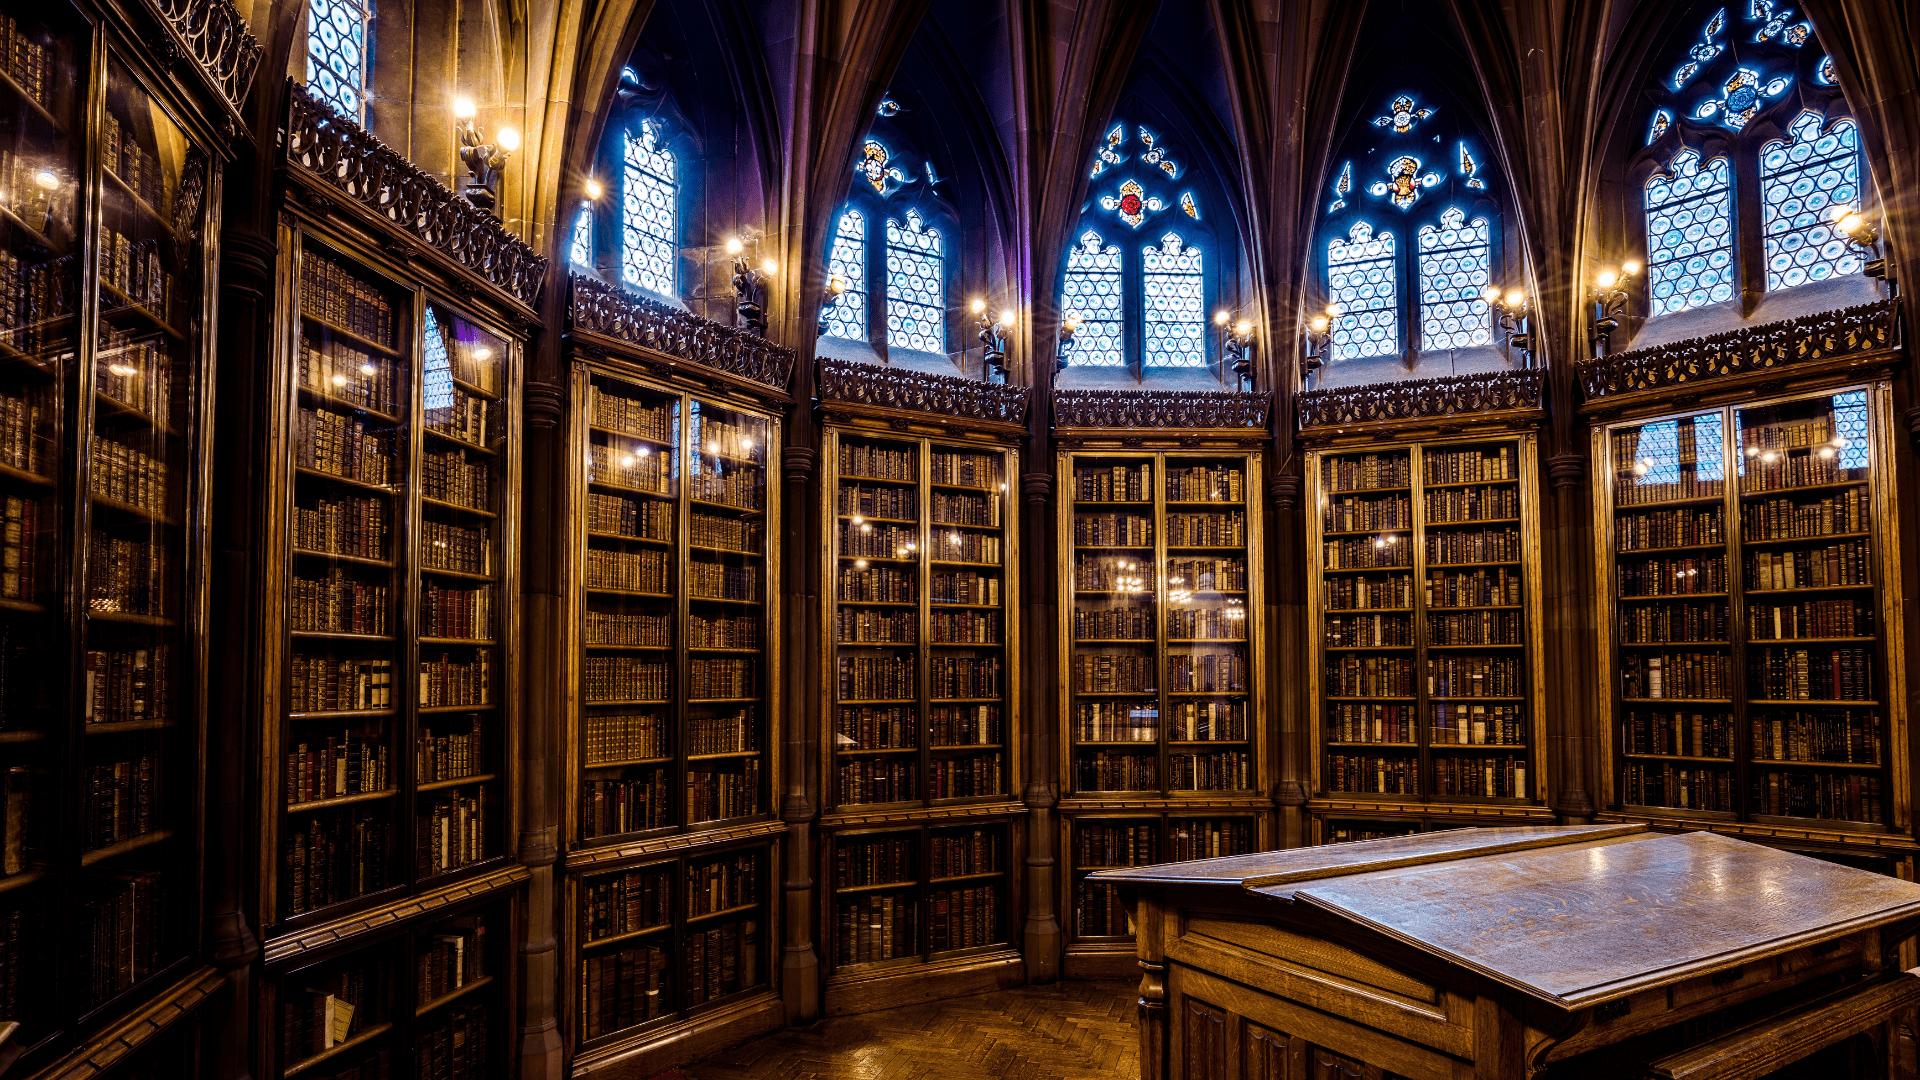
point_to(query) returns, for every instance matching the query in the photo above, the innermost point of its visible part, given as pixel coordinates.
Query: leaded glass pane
(1174, 324)
(580, 251)
(1689, 234)
(847, 318)
(1091, 290)
(1455, 267)
(1801, 179)
(649, 238)
(1360, 278)
(1850, 428)
(337, 54)
(916, 286)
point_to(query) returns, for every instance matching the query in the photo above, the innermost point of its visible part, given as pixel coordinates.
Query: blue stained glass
(650, 244)
(580, 250)
(1803, 178)
(337, 55)
(1455, 267)
(1850, 425)
(1689, 234)
(916, 286)
(1174, 329)
(1361, 280)
(847, 318)
(1091, 290)
(437, 369)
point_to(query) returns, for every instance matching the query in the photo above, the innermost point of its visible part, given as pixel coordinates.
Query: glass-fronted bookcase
(1749, 576)
(109, 188)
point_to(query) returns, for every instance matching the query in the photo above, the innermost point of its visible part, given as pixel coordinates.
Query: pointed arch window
(1689, 234)
(649, 212)
(1174, 324)
(848, 262)
(337, 42)
(1091, 290)
(580, 247)
(1802, 178)
(916, 286)
(1362, 277)
(1456, 258)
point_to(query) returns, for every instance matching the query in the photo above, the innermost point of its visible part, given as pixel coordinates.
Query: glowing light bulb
(1319, 324)
(123, 371)
(1336, 309)
(769, 267)
(483, 353)
(734, 246)
(1606, 279)
(1630, 267)
(836, 285)
(1850, 224)
(858, 520)
(508, 139)
(859, 564)
(644, 451)
(1005, 317)
(593, 189)
(369, 370)
(866, 528)
(1243, 327)
(463, 108)
(1220, 317)
(1491, 294)
(339, 380)
(45, 180)
(626, 461)
(1516, 298)
(978, 306)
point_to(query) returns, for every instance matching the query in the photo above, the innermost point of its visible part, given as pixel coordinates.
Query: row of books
(1672, 577)
(451, 612)
(1112, 530)
(446, 546)
(333, 294)
(1849, 511)
(1362, 722)
(741, 488)
(1839, 735)
(1099, 674)
(1372, 553)
(1481, 775)
(134, 371)
(1208, 574)
(1207, 530)
(1687, 483)
(126, 577)
(885, 626)
(1481, 588)
(1475, 628)
(1394, 591)
(719, 437)
(1788, 471)
(456, 1047)
(25, 432)
(610, 807)
(964, 677)
(1098, 912)
(876, 678)
(880, 463)
(729, 534)
(451, 832)
(1454, 546)
(1467, 466)
(1678, 734)
(1677, 622)
(624, 679)
(616, 904)
(883, 584)
(878, 501)
(965, 510)
(1474, 676)
(630, 416)
(858, 783)
(737, 733)
(1472, 504)
(319, 683)
(331, 858)
(868, 727)
(343, 446)
(875, 862)
(446, 682)
(1204, 838)
(1374, 775)
(121, 802)
(717, 796)
(870, 541)
(963, 918)
(718, 581)
(1207, 673)
(1478, 725)
(1683, 527)
(635, 470)
(619, 628)
(965, 547)
(1225, 770)
(648, 519)
(1810, 618)
(1350, 514)
(458, 414)
(1104, 845)
(334, 1007)
(1674, 675)
(1351, 832)
(135, 269)
(1845, 796)
(452, 755)
(34, 297)
(624, 988)
(978, 851)
(29, 63)
(335, 768)
(711, 679)
(19, 548)
(1780, 674)
(627, 571)
(1205, 483)
(966, 470)
(1112, 771)
(1370, 472)
(1117, 721)
(723, 883)
(350, 525)
(874, 927)
(1114, 483)
(1211, 624)
(965, 777)
(450, 476)
(1108, 573)
(347, 373)
(1847, 563)
(1684, 787)
(127, 686)
(130, 476)
(1207, 721)
(338, 603)
(124, 930)
(1113, 624)
(616, 738)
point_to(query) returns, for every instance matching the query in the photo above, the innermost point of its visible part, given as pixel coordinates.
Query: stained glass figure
(1091, 290)
(1132, 203)
(916, 286)
(1404, 181)
(1156, 154)
(1741, 98)
(888, 107)
(847, 260)
(649, 212)
(1360, 278)
(1773, 20)
(1342, 187)
(1468, 167)
(1689, 234)
(1824, 73)
(1802, 178)
(1702, 52)
(1455, 266)
(580, 250)
(1662, 120)
(1403, 114)
(1110, 153)
(1187, 204)
(337, 55)
(1797, 34)
(876, 164)
(1174, 323)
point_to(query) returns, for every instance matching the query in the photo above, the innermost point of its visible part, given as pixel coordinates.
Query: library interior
(957, 539)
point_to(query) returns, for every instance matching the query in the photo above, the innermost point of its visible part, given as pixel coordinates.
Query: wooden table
(1572, 953)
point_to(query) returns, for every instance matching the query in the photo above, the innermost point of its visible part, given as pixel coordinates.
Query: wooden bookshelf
(1100, 938)
(1425, 614)
(396, 494)
(1749, 572)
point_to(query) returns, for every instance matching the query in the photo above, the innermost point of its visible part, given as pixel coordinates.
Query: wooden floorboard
(1067, 1031)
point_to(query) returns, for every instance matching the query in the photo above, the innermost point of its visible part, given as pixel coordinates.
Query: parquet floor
(1067, 1031)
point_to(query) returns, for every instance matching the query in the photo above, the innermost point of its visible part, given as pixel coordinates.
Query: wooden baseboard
(1100, 962)
(845, 995)
(697, 1037)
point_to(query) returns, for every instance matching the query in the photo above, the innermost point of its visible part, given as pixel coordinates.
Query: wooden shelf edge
(306, 941)
(141, 1027)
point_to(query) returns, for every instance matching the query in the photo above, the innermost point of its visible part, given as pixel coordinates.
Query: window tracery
(1091, 290)
(847, 317)
(1689, 234)
(649, 212)
(1456, 259)
(1802, 178)
(1362, 278)
(916, 286)
(580, 248)
(337, 54)
(1175, 333)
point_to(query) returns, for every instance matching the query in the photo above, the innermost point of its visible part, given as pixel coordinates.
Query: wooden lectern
(1574, 953)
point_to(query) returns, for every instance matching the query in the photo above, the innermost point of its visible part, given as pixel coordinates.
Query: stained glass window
(847, 318)
(1174, 329)
(1091, 290)
(916, 286)
(1689, 234)
(337, 54)
(1360, 276)
(580, 250)
(1801, 178)
(648, 210)
(1455, 266)
(1850, 426)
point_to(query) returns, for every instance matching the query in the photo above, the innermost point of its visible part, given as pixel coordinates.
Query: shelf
(458, 508)
(900, 603)
(463, 575)
(1767, 642)
(1137, 743)
(1470, 565)
(625, 648)
(341, 714)
(1208, 742)
(106, 406)
(727, 551)
(340, 800)
(1666, 550)
(1864, 766)
(629, 935)
(24, 606)
(1367, 569)
(1675, 701)
(608, 485)
(1373, 745)
(1662, 597)
(344, 481)
(130, 618)
(601, 590)
(1676, 644)
(623, 703)
(128, 510)
(728, 754)
(428, 710)
(1437, 747)
(1371, 611)
(1431, 608)
(958, 562)
(1774, 702)
(880, 559)
(627, 764)
(21, 880)
(1371, 697)
(1692, 500)
(358, 560)
(1115, 693)
(981, 876)
(729, 507)
(723, 912)
(351, 338)
(127, 305)
(1459, 698)
(458, 781)
(453, 995)
(473, 388)
(650, 440)
(457, 641)
(27, 736)
(1431, 484)
(866, 519)
(331, 635)
(880, 644)
(877, 886)
(1365, 491)
(962, 747)
(1383, 531)
(1113, 641)
(321, 397)
(880, 480)
(1834, 486)
(114, 851)
(1771, 541)
(1112, 547)
(1369, 648)
(1480, 645)
(1675, 757)
(1473, 521)
(454, 440)
(334, 1051)
(1807, 589)
(963, 701)
(721, 600)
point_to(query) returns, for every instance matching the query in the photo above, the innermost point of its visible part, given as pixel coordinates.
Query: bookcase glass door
(1749, 585)
(908, 895)
(1096, 915)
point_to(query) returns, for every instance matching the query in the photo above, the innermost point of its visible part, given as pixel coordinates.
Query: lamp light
(993, 335)
(1236, 343)
(750, 281)
(1069, 326)
(1861, 235)
(1512, 312)
(483, 159)
(1609, 296)
(1319, 337)
(593, 188)
(835, 286)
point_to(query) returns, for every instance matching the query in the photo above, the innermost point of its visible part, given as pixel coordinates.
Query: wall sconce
(1609, 295)
(1861, 235)
(750, 282)
(835, 286)
(1069, 326)
(1319, 337)
(993, 335)
(1511, 311)
(1236, 343)
(483, 159)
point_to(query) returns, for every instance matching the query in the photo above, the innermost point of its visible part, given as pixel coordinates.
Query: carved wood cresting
(870, 385)
(1830, 335)
(1421, 399)
(364, 169)
(600, 308)
(216, 36)
(1159, 409)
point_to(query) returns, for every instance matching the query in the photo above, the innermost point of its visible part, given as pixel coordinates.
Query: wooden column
(1290, 726)
(799, 960)
(1042, 942)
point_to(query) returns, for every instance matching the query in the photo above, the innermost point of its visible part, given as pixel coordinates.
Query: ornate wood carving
(600, 308)
(1205, 1037)
(873, 386)
(1830, 335)
(1192, 409)
(1459, 396)
(216, 36)
(364, 169)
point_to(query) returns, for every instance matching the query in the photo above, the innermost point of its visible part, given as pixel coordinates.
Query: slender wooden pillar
(799, 960)
(1287, 723)
(1041, 941)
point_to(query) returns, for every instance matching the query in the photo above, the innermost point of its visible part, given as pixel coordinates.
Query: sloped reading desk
(1580, 952)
